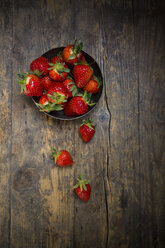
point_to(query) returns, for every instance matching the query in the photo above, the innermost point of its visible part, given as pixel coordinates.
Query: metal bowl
(95, 97)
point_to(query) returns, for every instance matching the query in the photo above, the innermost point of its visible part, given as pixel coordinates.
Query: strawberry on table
(78, 105)
(82, 74)
(30, 84)
(93, 85)
(46, 82)
(87, 130)
(72, 53)
(58, 71)
(83, 189)
(70, 86)
(62, 158)
(40, 64)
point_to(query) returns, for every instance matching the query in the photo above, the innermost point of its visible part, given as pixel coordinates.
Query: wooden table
(125, 161)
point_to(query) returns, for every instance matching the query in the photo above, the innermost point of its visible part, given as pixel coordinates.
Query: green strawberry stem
(76, 49)
(36, 73)
(23, 77)
(53, 106)
(59, 54)
(50, 107)
(99, 81)
(87, 98)
(58, 98)
(81, 182)
(59, 67)
(89, 123)
(55, 154)
(74, 89)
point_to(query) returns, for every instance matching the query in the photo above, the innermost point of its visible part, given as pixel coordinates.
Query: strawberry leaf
(36, 73)
(81, 182)
(59, 54)
(89, 123)
(55, 154)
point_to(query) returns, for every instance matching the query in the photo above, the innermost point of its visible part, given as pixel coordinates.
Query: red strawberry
(44, 100)
(87, 130)
(82, 74)
(57, 93)
(46, 82)
(83, 188)
(47, 106)
(72, 53)
(70, 86)
(83, 61)
(56, 59)
(78, 105)
(93, 85)
(58, 71)
(30, 84)
(62, 158)
(40, 64)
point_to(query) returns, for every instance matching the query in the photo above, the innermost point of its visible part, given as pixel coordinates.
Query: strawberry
(87, 130)
(46, 82)
(44, 100)
(57, 93)
(82, 74)
(82, 188)
(41, 64)
(93, 85)
(47, 106)
(72, 53)
(30, 84)
(70, 86)
(58, 71)
(83, 61)
(62, 158)
(56, 59)
(78, 105)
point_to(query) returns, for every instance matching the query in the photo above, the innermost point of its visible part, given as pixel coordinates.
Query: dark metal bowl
(95, 97)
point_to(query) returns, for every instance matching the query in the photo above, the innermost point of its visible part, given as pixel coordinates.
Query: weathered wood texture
(5, 120)
(125, 159)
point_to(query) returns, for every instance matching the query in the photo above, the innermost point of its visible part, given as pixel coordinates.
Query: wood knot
(103, 117)
(24, 178)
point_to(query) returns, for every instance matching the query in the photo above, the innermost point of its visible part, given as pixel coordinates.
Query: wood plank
(90, 220)
(120, 70)
(151, 62)
(45, 211)
(5, 119)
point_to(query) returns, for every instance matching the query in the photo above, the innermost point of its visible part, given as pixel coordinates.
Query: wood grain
(5, 120)
(122, 99)
(125, 158)
(150, 42)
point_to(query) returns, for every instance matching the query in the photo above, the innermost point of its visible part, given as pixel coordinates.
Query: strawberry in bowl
(73, 53)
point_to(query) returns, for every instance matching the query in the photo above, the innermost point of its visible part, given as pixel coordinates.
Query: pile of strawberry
(66, 82)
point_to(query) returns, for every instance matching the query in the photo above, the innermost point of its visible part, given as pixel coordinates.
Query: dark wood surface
(125, 160)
